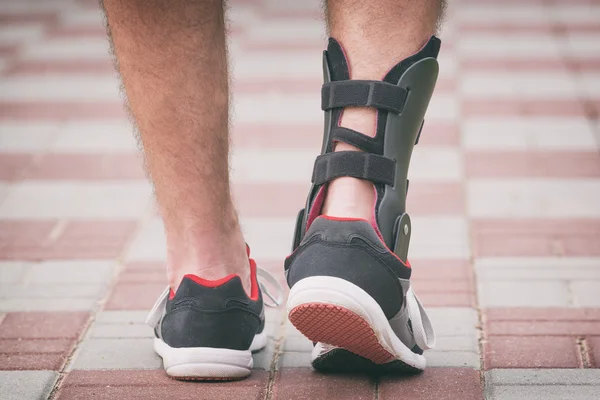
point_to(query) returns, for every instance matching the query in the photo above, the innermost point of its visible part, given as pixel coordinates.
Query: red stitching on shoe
(253, 279)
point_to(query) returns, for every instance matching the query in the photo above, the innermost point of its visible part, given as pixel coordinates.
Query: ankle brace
(401, 100)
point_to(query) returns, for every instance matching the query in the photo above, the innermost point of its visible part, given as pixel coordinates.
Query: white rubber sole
(339, 296)
(207, 363)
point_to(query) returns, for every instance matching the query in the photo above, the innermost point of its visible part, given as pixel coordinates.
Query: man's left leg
(173, 61)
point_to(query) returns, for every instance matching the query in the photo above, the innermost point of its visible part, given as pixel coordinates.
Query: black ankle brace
(401, 99)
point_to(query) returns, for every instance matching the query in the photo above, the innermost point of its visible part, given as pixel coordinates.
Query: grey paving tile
(543, 377)
(538, 281)
(512, 265)
(121, 324)
(25, 385)
(273, 320)
(524, 293)
(71, 271)
(294, 359)
(457, 343)
(115, 317)
(468, 359)
(454, 321)
(585, 294)
(263, 359)
(121, 331)
(290, 330)
(12, 272)
(275, 315)
(53, 290)
(543, 392)
(135, 353)
(297, 344)
(53, 297)
(149, 243)
(48, 304)
(551, 384)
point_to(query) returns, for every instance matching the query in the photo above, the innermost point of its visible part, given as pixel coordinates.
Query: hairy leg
(375, 35)
(172, 58)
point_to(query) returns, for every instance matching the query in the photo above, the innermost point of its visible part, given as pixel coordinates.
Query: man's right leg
(173, 62)
(349, 274)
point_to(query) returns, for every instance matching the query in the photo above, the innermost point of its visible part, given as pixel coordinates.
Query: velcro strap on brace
(355, 164)
(378, 94)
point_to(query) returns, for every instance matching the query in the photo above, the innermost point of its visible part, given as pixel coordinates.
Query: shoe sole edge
(325, 308)
(206, 363)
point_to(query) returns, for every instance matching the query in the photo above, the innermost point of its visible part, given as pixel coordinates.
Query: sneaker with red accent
(352, 296)
(208, 329)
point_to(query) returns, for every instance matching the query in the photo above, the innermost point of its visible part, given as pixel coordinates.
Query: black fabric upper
(218, 317)
(350, 250)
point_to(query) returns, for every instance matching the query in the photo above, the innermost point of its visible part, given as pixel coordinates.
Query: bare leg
(376, 35)
(173, 61)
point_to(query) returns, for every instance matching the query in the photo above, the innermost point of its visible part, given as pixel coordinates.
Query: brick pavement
(505, 196)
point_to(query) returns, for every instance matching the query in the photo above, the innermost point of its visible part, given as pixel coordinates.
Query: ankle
(349, 197)
(207, 253)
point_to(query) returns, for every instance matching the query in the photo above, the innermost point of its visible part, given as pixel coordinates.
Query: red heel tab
(253, 281)
(253, 276)
(210, 283)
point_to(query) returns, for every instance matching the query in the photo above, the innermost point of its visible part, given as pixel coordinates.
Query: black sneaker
(208, 330)
(350, 278)
(352, 296)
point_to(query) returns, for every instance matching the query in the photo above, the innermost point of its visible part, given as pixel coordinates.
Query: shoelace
(275, 301)
(421, 324)
(263, 276)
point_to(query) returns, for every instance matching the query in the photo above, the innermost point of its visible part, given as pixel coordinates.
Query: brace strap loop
(355, 164)
(351, 93)
(356, 139)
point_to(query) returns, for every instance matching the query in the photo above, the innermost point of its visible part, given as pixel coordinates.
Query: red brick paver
(13, 165)
(75, 239)
(443, 283)
(156, 385)
(39, 340)
(593, 344)
(514, 107)
(539, 338)
(304, 383)
(434, 383)
(535, 237)
(56, 166)
(556, 164)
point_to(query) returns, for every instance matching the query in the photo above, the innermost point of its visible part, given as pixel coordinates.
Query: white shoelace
(421, 324)
(263, 277)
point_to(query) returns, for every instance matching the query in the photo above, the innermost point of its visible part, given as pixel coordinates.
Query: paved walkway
(505, 199)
